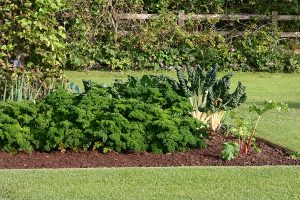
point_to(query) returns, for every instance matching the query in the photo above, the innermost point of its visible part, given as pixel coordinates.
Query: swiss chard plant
(210, 96)
(295, 155)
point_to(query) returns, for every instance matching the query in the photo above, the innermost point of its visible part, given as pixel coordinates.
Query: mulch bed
(211, 156)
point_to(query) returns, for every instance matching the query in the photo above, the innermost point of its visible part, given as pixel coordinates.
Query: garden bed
(211, 156)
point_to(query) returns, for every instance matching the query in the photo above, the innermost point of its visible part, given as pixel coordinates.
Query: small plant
(245, 129)
(295, 155)
(230, 150)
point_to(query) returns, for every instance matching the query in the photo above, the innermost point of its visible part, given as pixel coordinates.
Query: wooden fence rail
(230, 17)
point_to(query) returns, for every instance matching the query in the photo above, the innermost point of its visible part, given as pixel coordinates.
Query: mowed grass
(230, 183)
(281, 128)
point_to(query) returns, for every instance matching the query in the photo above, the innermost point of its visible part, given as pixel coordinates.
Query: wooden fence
(274, 18)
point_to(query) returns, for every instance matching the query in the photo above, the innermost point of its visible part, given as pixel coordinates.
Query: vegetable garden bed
(134, 122)
(269, 155)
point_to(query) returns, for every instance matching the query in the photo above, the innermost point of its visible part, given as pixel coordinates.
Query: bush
(15, 122)
(87, 34)
(138, 115)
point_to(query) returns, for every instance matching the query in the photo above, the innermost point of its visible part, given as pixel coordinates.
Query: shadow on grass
(295, 105)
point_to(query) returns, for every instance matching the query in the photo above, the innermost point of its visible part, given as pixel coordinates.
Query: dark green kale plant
(146, 114)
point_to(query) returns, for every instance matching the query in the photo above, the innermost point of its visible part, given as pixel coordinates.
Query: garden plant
(210, 96)
(245, 129)
(147, 86)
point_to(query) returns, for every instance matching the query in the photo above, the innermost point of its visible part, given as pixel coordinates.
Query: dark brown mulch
(196, 157)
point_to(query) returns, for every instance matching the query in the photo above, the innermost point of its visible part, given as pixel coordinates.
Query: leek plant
(18, 84)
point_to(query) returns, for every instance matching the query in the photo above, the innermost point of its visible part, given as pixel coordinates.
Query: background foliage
(162, 44)
(31, 33)
(86, 34)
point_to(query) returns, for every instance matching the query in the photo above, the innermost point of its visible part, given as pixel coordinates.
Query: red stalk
(252, 134)
(242, 143)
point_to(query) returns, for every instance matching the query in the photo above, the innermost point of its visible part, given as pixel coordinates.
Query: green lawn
(153, 183)
(281, 128)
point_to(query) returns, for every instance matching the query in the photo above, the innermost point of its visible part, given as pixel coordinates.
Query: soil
(270, 155)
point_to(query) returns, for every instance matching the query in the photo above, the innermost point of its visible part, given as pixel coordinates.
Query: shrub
(15, 122)
(144, 114)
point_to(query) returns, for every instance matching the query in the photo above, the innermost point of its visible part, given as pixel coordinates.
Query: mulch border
(274, 145)
(274, 154)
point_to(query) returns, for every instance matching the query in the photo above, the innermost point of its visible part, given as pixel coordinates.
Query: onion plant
(18, 84)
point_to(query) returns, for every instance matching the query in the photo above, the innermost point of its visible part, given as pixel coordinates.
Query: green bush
(144, 114)
(87, 34)
(15, 122)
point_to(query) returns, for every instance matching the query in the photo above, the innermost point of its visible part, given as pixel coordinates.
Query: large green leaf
(230, 150)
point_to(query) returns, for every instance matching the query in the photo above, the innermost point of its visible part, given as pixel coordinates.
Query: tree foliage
(31, 33)
(87, 34)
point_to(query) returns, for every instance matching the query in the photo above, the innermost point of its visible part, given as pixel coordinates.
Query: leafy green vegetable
(295, 155)
(74, 88)
(210, 96)
(230, 150)
(268, 105)
(144, 114)
(246, 129)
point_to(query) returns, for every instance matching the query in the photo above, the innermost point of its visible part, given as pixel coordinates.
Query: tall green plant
(246, 130)
(210, 96)
(18, 84)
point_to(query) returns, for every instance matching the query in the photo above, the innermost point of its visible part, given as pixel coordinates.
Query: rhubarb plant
(245, 129)
(230, 150)
(210, 96)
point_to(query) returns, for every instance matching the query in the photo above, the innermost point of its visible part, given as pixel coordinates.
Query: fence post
(274, 18)
(180, 20)
(113, 16)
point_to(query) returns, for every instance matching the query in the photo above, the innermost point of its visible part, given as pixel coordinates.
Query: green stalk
(37, 93)
(25, 89)
(30, 92)
(12, 92)
(17, 89)
(20, 89)
(4, 94)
